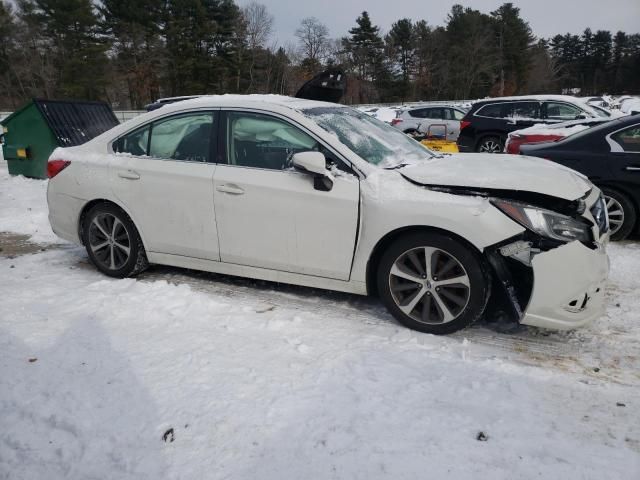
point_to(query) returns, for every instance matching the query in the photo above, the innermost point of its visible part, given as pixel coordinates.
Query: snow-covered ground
(179, 374)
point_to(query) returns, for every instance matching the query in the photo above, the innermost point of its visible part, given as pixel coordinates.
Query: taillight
(396, 121)
(54, 167)
(464, 124)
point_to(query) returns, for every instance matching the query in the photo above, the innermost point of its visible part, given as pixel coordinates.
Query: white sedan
(322, 195)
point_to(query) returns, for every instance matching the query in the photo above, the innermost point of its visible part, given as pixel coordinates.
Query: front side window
(135, 143)
(262, 141)
(562, 111)
(184, 137)
(628, 139)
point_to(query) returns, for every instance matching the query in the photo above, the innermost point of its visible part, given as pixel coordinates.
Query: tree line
(131, 52)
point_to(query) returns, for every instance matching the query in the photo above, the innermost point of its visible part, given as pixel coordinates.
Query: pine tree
(78, 51)
(513, 42)
(403, 47)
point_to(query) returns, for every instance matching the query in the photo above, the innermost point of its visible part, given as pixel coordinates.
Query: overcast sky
(546, 17)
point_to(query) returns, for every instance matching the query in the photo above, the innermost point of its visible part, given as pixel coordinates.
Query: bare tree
(313, 37)
(259, 26)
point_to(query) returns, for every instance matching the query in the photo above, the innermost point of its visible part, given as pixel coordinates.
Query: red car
(547, 133)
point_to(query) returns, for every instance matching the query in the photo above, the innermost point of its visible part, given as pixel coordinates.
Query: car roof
(534, 98)
(229, 100)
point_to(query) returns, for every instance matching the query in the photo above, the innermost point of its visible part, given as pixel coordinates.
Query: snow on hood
(501, 172)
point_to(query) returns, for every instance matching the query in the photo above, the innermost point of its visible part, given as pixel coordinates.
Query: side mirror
(581, 116)
(312, 162)
(315, 164)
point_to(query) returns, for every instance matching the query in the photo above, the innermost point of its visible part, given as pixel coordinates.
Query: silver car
(420, 121)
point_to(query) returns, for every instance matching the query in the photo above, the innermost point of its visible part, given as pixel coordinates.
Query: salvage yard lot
(181, 374)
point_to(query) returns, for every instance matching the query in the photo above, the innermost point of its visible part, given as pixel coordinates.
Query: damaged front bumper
(568, 288)
(558, 288)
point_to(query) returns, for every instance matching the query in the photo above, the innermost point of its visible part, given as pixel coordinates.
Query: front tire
(112, 242)
(622, 213)
(433, 283)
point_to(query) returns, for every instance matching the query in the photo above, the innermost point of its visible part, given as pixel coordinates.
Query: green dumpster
(30, 134)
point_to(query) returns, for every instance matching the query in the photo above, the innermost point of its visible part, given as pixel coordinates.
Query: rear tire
(490, 145)
(112, 242)
(433, 283)
(622, 213)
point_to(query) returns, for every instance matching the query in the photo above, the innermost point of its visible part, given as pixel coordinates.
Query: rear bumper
(569, 287)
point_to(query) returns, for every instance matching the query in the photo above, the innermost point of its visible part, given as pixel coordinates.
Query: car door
(452, 119)
(625, 155)
(271, 216)
(163, 174)
(555, 112)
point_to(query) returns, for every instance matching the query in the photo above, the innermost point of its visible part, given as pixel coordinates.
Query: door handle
(129, 175)
(633, 169)
(232, 189)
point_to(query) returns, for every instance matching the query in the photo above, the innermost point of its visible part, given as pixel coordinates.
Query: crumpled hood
(502, 172)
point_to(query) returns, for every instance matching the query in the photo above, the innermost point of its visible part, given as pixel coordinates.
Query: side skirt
(359, 288)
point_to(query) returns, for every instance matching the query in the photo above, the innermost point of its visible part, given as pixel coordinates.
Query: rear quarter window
(492, 111)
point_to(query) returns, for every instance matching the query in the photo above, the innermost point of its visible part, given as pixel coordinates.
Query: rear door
(271, 216)
(163, 174)
(624, 159)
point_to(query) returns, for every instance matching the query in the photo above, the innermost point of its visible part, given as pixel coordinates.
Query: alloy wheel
(616, 214)
(109, 241)
(429, 285)
(490, 146)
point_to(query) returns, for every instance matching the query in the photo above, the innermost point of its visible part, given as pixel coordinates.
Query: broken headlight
(545, 222)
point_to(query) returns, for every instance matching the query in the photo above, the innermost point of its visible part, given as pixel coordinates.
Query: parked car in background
(322, 195)
(542, 132)
(416, 121)
(384, 114)
(486, 126)
(630, 106)
(609, 154)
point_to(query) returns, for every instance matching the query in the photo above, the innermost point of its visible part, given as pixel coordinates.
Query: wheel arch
(92, 203)
(390, 237)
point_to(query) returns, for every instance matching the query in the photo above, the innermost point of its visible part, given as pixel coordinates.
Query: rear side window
(184, 137)
(628, 139)
(492, 111)
(419, 113)
(135, 143)
(436, 113)
(524, 110)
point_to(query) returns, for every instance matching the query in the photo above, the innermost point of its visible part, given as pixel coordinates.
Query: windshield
(372, 140)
